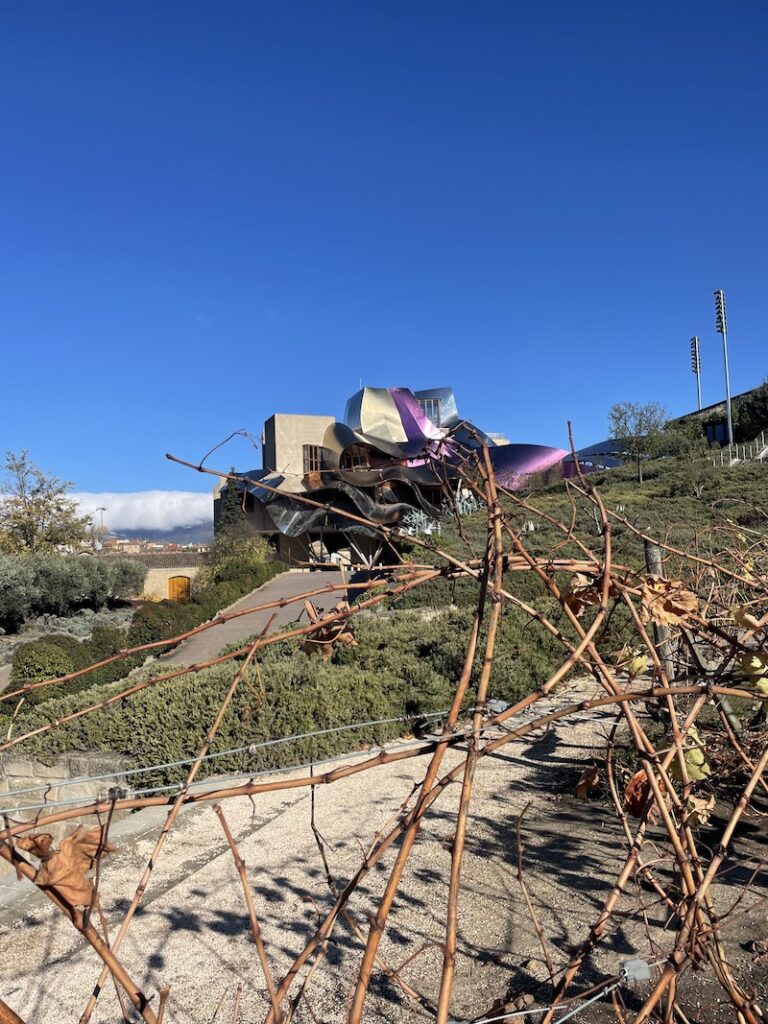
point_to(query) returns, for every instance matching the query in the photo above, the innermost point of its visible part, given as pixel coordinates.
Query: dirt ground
(193, 933)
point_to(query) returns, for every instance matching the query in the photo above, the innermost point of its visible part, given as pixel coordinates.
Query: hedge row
(392, 675)
(57, 655)
(405, 663)
(35, 584)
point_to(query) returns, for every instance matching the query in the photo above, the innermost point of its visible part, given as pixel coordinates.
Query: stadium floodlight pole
(721, 326)
(696, 364)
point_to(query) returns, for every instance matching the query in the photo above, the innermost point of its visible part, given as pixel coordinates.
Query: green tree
(18, 590)
(35, 512)
(751, 413)
(232, 556)
(231, 516)
(638, 429)
(684, 439)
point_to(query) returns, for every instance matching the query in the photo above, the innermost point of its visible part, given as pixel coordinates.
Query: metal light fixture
(721, 326)
(696, 364)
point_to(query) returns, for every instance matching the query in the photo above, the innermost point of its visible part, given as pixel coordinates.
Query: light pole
(721, 326)
(696, 365)
(102, 510)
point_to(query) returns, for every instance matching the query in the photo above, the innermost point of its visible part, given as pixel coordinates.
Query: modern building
(394, 456)
(714, 418)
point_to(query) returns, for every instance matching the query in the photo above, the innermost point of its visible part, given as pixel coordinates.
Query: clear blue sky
(210, 211)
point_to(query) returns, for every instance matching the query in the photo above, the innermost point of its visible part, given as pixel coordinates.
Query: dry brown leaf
(636, 796)
(513, 1004)
(590, 777)
(322, 647)
(581, 593)
(666, 602)
(66, 868)
(698, 810)
(38, 845)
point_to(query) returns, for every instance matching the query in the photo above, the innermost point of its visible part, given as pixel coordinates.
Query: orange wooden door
(178, 588)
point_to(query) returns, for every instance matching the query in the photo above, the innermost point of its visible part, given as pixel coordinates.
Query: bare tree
(638, 429)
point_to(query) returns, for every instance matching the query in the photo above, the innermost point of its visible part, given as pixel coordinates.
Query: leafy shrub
(44, 584)
(39, 659)
(63, 583)
(233, 556)
(105, 641)
(18, 590)
(76, 652)
(405, 663)
(126, 578)
(59, 654)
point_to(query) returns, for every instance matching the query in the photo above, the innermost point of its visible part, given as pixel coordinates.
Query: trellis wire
(248, 748)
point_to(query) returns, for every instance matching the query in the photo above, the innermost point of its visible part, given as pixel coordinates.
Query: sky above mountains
(157, 511)
(212, 212)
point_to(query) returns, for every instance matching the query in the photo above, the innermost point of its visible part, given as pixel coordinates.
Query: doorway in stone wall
(178, 588)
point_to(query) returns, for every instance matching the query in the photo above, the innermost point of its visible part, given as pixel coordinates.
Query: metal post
(722, 328)
(727, 388)
(696, 365)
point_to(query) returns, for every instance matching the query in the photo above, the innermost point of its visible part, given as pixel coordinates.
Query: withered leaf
(66, 867)
(38, 845)
(754, 666)
(666, 602)
(634, 662)
(636, 796)
(696, 764)
(590, 777)
(698, 810)
(581, 593)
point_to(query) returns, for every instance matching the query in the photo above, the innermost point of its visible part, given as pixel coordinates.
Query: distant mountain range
(202, 533)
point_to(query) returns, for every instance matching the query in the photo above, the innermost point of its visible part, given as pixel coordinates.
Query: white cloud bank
(147, 510)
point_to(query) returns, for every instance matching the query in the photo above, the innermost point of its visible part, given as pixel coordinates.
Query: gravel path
(192, 931)
(290, 584)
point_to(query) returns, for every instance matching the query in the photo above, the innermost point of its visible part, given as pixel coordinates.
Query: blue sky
(213, 211)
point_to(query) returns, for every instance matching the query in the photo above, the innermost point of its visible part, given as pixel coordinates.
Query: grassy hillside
(678, 499)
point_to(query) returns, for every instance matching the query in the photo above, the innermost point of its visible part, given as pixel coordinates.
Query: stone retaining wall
(23, 772)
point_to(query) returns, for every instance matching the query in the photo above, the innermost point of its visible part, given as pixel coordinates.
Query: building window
(355, 457)
(313, 458)
(431, 408)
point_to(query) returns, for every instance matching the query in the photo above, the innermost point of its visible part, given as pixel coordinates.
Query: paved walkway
(208, 644)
